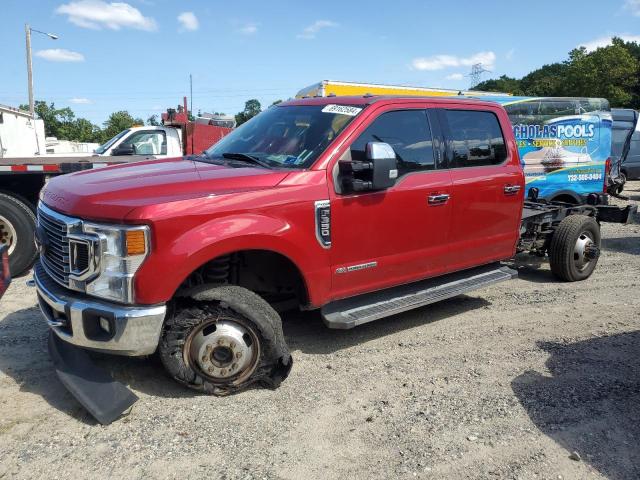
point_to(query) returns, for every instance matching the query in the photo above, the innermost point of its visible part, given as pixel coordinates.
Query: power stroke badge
(323, 222)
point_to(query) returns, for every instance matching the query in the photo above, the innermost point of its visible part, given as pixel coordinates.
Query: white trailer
(20, 134)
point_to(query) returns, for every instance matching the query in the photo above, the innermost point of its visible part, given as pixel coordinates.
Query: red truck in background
(21, 178)
(362, 207)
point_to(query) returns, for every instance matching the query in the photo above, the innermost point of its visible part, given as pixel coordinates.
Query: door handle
(438, 198)
(510, 189)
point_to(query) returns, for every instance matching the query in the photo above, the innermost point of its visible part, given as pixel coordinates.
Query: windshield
(105, 146)
(286, 136)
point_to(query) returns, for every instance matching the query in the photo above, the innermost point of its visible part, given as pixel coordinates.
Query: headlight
(122, 251)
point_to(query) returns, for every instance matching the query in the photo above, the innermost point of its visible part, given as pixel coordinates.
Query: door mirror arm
(378, 172)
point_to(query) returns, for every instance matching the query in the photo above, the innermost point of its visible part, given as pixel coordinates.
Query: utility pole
(27, 31)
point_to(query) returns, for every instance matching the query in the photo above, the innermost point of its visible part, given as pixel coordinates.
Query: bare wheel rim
(583, 251)
(8, 235)
(223, 350)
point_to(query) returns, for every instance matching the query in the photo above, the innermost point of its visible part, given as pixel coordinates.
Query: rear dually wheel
(575, 248)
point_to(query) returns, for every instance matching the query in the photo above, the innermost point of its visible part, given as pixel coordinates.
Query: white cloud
(455, 76)
(80, 101)
(97, 14)
(311, 31)
(60, 55)
(188, 21)
(604, 41)
(248, 29)
(633, 6)
(440, 62)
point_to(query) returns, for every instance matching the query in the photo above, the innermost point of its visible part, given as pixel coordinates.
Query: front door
(384, 238)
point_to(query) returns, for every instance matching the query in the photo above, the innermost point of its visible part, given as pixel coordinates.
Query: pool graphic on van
(564, 143)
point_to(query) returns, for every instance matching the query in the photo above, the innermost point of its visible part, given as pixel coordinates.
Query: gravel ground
(532, 378)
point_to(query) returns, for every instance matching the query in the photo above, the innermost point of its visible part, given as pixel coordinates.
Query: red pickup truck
(362, 207)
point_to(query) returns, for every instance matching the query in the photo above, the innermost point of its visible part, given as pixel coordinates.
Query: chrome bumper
(79, 320)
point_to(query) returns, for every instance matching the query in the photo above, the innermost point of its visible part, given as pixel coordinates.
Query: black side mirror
(378, 172)
(124, 149)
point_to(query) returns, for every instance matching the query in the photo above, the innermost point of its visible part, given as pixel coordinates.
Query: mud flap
(102, 396)
(613, 214)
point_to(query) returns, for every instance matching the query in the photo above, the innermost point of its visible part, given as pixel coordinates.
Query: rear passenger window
(408, 132)
(475, 138)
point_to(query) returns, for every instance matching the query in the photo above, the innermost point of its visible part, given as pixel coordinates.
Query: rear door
(487, 186)
(631, 164)
(385, 238)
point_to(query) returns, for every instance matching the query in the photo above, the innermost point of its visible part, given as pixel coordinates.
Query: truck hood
(112, 192)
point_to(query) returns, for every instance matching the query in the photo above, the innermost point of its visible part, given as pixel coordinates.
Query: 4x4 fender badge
(323, 222)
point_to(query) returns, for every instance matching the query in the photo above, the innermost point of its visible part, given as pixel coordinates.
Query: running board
(351, 312)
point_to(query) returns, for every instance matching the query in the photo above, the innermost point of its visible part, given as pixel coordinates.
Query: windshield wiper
(245, 157)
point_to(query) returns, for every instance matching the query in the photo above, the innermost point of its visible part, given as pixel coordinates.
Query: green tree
(610, 72)
(153, 120)
(503, 84)
(634, 49)
(63, 124)
(251, 109)
(545, 81)
(117, 122)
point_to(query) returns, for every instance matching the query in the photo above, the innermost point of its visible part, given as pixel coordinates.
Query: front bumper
(79, 320)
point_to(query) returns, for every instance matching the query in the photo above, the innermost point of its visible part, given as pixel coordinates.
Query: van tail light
(607, 174)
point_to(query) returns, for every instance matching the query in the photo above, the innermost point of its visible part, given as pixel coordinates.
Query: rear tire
(17, 231)
(224, 339)
(575, 247)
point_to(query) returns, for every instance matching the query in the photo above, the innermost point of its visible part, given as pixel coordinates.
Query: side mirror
(378, 172)
(124, 149)
(384, 165)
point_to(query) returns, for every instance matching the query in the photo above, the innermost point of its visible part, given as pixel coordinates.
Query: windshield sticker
(342, 110)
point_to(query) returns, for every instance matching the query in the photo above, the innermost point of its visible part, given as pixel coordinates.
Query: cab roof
(365, 100)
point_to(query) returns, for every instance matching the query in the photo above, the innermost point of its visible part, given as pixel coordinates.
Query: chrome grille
(55, 254)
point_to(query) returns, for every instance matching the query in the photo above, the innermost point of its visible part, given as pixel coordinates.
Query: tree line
(63, 124)
(610, 72)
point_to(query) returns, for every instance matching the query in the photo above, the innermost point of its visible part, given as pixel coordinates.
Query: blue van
(564, 144)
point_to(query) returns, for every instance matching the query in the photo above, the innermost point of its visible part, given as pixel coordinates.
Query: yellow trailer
(326, 88)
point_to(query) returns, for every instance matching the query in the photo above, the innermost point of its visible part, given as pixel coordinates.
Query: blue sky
(138, 55)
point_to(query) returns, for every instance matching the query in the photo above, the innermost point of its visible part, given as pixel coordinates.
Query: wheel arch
(182, 247)
(251, 268)
(567, 196)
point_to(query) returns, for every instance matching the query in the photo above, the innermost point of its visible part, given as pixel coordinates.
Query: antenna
(191, 94)
(476, 73)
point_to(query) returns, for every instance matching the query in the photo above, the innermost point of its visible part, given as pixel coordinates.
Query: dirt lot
(507, 382)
